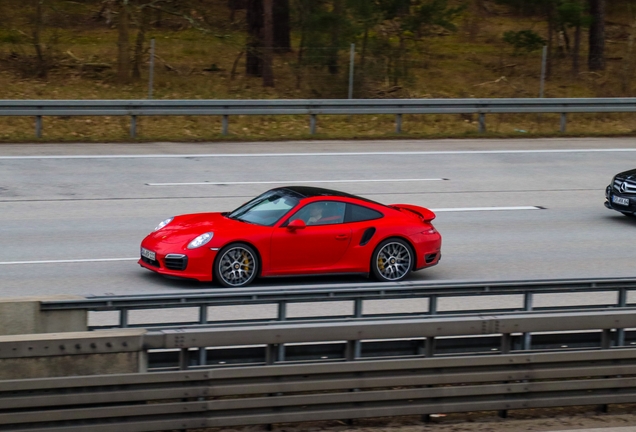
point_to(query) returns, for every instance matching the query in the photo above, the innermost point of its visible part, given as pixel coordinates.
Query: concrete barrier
(72, 354)
(22, 315)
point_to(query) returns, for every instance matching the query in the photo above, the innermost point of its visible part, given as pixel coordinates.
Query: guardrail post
(429, 347)
(527, 305)
(312, 124)
(350, 350)
(38, 126)
(203, 319)
(622, 302)
(270, 354)
(282, 316)
(357, 313)
(432, 305)
(133, 126)
(606, 339)
(184, 359)
(564, 122)
(123, 318)
(398, 123)
(482, 122)
(226, 124)
(506, 342)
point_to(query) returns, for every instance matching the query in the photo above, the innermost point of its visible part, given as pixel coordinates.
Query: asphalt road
(72, 216)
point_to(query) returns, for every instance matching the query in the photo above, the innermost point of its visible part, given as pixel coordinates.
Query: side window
(356, 213)
(321, 213)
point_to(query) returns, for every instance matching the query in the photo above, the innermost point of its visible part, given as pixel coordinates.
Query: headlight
(201, 240)
(163, 224)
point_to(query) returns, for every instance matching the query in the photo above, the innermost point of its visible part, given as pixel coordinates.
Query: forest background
(253, 49)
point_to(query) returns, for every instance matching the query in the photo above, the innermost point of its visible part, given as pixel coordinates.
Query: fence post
(38, 126)
(312, 124)
(398, 123)
(133, 126)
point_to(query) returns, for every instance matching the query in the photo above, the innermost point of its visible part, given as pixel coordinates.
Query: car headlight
(163, 224)
(201, 240)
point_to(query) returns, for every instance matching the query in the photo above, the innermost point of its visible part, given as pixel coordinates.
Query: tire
(392, 260)
(236, 265)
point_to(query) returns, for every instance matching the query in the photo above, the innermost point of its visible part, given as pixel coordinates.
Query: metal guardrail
(323, 391)
(471, 334)
(310, 107)
(283, 297)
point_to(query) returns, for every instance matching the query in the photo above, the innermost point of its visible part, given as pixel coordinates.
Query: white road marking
(68, 261)
(256, 155)
(439, 210)
(469, 209)
(293, 182)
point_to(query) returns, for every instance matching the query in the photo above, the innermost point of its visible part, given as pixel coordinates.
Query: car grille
(153, 263)
(629, 186)
(176, 261)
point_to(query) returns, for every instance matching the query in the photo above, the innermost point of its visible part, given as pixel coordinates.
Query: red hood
(185, 228)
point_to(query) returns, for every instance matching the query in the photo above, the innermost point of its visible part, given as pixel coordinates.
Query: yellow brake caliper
(380, 263)
(246, 262)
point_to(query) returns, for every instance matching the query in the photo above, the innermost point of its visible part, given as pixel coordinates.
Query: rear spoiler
(423, 213)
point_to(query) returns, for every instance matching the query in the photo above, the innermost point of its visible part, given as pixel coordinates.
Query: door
(316, 247)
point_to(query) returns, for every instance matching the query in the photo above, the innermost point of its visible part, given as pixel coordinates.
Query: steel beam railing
(311, 108)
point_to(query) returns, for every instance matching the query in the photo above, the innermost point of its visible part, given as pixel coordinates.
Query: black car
(620, 194)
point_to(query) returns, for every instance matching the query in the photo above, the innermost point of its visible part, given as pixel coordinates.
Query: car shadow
(191, 284)
(620, 219)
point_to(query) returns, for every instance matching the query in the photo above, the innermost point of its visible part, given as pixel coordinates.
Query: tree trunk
(282, 41)
(268, 73)
(123, 45)
(139, 44)
(576, 52)
(332, 61)
(253, 60)
(596, 58)
(37, 40)
(627, 62)
(548, 67)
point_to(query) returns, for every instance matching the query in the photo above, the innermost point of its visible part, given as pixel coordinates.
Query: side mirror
(296, 224)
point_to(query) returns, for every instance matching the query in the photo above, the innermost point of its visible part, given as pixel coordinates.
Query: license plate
(148, 254)
(619, 200)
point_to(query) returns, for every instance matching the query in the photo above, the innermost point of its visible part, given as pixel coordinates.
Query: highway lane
(60, 217)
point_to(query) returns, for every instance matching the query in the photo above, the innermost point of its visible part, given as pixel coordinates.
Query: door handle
(342, 236)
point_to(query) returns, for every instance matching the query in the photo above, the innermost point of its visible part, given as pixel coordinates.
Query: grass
(448, 67)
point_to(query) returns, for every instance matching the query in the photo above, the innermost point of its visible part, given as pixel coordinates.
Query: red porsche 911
(293, 231)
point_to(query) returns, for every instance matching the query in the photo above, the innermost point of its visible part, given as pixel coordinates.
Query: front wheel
(392, 260)
(236, 265)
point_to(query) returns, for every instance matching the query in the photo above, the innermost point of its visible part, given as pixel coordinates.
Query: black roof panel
(310, 191)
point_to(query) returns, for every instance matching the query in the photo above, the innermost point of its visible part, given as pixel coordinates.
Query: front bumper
(188, 264)
(610, 194)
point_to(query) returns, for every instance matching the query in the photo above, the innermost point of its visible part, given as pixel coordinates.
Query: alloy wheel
(237, 266)
(393, 261)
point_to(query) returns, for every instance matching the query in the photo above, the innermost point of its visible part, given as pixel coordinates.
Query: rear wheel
(392, 260)
(236, 265)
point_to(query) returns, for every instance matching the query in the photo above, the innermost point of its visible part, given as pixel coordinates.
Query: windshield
(266, 209)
